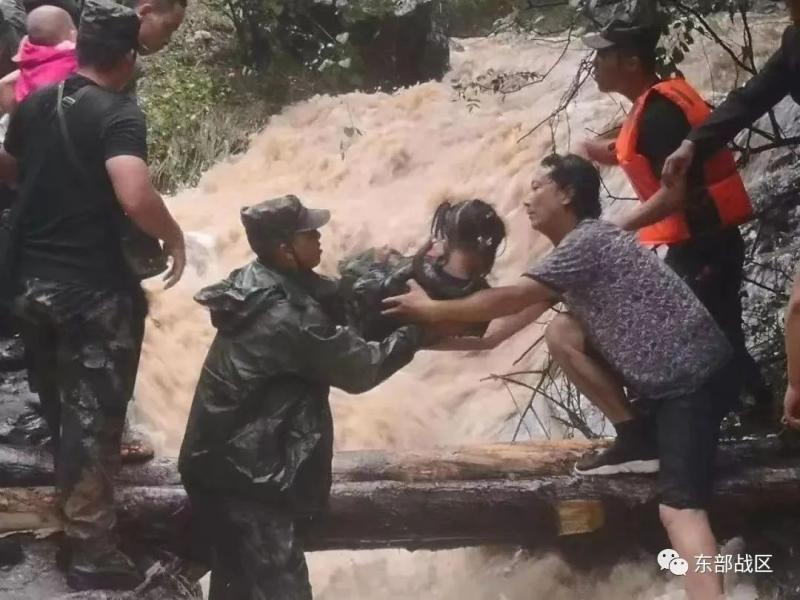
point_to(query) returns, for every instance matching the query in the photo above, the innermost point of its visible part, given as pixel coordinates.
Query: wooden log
(26, 466)
(487, 461)
(31, 466)
(520, 494)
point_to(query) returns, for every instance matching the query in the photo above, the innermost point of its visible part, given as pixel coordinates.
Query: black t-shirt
(663, 127)
(69, 230)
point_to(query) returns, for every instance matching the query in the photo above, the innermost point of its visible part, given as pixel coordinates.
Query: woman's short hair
(580, 179)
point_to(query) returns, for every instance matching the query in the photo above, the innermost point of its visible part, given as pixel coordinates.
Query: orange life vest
(721, 176)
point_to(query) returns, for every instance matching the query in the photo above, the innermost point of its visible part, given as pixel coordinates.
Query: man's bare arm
(666, 201)
(8, 98)
(8, 167)
(482, 306)
(600, 151)
(144, 206)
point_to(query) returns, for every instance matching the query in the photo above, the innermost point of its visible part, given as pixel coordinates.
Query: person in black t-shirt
(159, 19)
(778, 78)
(78, 295)
(697, 224)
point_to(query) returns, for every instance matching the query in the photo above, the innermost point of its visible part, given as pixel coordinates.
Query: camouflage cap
(110, 24)
(280, 218)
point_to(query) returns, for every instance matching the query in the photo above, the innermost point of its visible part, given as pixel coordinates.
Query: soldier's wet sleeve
(338, 356)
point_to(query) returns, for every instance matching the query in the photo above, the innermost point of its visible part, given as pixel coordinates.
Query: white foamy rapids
(412, 149)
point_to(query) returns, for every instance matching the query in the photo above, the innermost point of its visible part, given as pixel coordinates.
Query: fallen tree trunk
(520, 494)
(28, 467)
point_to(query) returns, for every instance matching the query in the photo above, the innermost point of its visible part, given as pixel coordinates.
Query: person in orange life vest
(697, 220)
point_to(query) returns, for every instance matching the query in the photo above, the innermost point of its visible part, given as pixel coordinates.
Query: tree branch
(686, 9)
(584, 71)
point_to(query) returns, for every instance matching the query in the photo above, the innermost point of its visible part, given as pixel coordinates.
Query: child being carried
(464, 241)
(46, 56)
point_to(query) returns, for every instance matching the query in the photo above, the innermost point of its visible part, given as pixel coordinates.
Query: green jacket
(260, 424)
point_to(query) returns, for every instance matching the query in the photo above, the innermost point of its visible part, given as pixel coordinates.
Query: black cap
(280, 218)
(623, 34)
(110, 24)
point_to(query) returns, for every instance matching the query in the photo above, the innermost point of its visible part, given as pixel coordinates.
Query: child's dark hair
(470, 225)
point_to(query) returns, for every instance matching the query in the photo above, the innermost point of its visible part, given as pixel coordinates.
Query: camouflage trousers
(83, 347)
(254, 552)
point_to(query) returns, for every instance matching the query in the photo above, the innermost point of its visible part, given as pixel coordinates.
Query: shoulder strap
(66, 138)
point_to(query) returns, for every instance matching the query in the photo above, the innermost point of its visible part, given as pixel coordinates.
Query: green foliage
(676, 40)
(338, 64)
(256, 23)
(682, 22)
(179, 100)
(270, 31)
(467, 18)
(202, 104)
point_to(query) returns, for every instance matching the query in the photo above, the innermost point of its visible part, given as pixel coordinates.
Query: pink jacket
(43, 65)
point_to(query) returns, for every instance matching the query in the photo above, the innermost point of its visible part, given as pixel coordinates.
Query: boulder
(401, 42)
(36, 576)
(383, 44)
(773, 251)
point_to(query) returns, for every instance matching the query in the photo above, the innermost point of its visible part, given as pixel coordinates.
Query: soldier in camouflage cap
(256, 457)
(279, 219)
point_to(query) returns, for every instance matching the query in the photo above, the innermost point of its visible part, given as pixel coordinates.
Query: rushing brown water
(415, 148)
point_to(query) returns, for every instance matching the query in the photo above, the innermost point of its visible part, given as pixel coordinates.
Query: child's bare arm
(498, 332)
(8, 100)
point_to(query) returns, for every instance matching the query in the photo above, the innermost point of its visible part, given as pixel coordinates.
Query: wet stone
(12, 354)
(38, 577)
(10, 552)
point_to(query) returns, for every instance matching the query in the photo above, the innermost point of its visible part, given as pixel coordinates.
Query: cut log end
(580, 516)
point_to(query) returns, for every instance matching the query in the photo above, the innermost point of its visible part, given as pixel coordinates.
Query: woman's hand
(415, 305)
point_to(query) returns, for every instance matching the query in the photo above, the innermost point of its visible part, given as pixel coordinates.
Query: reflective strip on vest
(722, 179)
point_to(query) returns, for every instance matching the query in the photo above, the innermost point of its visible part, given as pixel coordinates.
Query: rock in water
(10, 552)
(38, 577)
(395, 42)
(21, 422)
(401, 42)
(12, 354)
